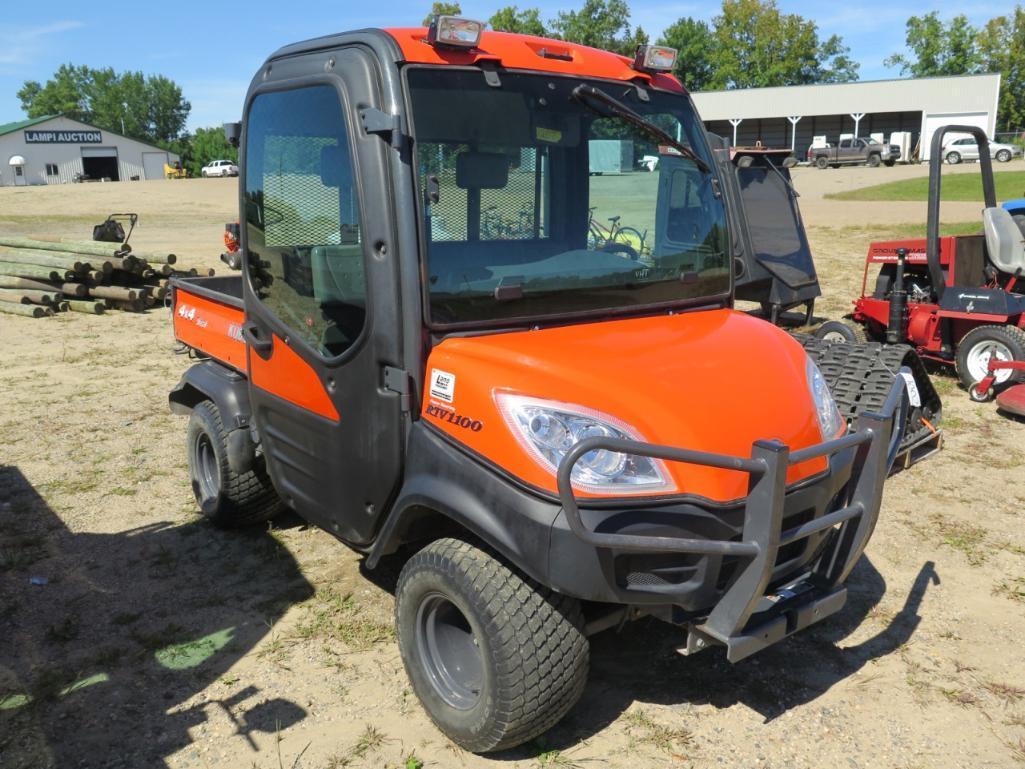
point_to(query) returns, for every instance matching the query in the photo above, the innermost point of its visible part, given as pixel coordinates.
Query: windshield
(541, 197)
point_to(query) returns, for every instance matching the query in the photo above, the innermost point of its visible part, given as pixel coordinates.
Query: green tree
(755, 45)
(600, 24)
(203, 147)
(1001, 48)
(936, 48)
(693, 39)
(512, 19)
(442, 9)
(151, 109)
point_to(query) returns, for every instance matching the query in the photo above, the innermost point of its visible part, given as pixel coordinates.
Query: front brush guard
(745, 619)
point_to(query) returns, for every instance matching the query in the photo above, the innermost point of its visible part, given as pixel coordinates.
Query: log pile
(43, 275)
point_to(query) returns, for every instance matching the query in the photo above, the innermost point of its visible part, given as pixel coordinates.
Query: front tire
(983, 343)
(874, 161)
(838, 331)
(890, 163)
(226, 498)
(1003, 156)
(494, 658)
(953, 158)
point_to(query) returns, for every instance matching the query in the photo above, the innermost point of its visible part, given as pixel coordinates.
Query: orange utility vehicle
(427, 355)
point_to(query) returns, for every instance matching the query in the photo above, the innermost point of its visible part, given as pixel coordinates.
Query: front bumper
(778, 570)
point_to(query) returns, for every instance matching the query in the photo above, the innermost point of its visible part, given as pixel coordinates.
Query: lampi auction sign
(63, 137)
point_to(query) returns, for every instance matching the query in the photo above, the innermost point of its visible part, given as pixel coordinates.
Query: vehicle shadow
(640, 664)
(105, 636)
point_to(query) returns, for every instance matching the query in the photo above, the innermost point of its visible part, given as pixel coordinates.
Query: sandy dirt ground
(132, 634)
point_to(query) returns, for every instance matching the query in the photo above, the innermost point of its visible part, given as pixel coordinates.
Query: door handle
(253, 338)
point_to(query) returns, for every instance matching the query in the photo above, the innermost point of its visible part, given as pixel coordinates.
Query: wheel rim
(982, 353)
(449, 652)
(1003, 156)
(834, 336)
(208, 470)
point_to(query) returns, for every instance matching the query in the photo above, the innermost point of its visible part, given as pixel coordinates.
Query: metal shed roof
(6, 128)
(935, 95)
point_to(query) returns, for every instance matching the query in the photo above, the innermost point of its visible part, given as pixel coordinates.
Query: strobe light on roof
(455, 32)
(654, 58)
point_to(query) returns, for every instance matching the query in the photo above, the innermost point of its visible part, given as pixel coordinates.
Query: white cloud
(19, 46)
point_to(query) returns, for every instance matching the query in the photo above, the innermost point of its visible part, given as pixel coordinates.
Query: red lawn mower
(958, 299)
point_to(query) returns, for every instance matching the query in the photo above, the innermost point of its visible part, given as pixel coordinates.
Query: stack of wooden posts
(42, 275)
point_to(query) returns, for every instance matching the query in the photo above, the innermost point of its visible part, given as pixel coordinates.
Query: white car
(968, 149)
(220, 168)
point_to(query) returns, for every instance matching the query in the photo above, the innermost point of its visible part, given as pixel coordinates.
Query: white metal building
(791, 116)
(55, 149)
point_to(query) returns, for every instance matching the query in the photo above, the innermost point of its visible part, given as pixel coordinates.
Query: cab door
(321, 292)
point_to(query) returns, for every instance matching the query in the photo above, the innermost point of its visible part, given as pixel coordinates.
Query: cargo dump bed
(208, 317)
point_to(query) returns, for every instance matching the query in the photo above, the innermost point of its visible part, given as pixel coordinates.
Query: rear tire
(228, 499)
(982, 343)
(821, 162)
(1003, 156)
(838, 331)
(953, 158)
(494, 658)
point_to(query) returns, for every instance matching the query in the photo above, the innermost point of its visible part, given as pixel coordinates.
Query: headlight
(548, 430)
(830, 419)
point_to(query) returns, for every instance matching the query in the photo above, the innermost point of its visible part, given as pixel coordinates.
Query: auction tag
(913, 394)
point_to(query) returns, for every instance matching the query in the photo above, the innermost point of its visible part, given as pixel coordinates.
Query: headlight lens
(548, 430)
(830, 419)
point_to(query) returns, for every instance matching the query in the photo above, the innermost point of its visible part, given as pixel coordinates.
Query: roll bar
(932, 248)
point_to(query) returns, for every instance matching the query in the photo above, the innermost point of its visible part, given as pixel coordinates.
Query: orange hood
(714, 380)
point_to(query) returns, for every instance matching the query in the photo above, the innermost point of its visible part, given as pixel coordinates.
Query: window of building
(51, 169)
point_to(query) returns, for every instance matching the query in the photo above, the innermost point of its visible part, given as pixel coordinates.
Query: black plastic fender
(442, 482)
(229, 391)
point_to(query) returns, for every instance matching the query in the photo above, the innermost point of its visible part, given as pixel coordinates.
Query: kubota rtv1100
(432, 350)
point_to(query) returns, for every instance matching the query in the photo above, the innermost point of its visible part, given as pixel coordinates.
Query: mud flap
(860, 375)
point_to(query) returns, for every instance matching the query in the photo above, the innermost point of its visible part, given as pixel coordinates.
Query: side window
(305, 253)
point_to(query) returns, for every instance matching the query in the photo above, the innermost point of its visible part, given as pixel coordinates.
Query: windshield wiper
(584, 92)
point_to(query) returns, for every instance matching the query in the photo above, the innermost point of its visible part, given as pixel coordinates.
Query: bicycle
(616, 238)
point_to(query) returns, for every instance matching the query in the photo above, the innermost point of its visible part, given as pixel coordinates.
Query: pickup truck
(852, 152)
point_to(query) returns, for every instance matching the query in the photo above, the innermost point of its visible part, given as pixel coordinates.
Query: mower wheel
(874, 161)
(228, 499)
(838, 331)
(977, 396)
(821, 162)
(983, 343)
(494, 658)
(953, 158)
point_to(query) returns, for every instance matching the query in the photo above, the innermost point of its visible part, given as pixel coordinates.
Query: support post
(735, 122)
(856, 117)
(794, 120)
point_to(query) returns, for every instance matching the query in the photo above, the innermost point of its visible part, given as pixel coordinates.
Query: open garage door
(933, 121)
(153, 164)
(100, 163)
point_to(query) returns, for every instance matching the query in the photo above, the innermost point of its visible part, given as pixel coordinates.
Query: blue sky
(212, 48)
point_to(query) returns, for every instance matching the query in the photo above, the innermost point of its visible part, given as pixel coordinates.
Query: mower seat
(1005, 243)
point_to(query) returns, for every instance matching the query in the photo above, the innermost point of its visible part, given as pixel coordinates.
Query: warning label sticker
(443, 385)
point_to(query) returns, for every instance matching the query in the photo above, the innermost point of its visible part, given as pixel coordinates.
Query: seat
(1005, 243)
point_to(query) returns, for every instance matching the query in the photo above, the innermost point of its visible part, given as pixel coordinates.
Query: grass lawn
(968, 186)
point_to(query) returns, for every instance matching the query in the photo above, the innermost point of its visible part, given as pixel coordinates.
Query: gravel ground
(157, 641)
